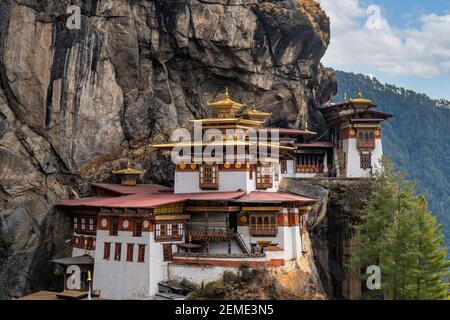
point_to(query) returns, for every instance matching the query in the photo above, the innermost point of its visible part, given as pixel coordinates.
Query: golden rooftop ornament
(360, 98)
(226, 107)
(129, 170)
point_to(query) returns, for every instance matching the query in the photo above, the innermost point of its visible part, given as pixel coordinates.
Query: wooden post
(228, 231)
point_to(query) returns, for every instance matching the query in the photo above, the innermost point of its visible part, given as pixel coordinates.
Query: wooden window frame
(172, 231)
(264, 180)
(365, 160)
(167, 252)
(117, 251)
(107, 251)
(114, 226)
(130, 252)
(141, 253)
(138, 226)
(263, 224)
(365, 139)
(84, 224)
(311, 163)
(208, 176)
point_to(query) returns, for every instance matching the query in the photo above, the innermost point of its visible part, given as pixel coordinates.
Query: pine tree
(402, 237)
(430, 265)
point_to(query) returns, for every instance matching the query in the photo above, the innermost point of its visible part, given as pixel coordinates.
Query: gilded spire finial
(129, 164)
(360, 95)
(345, 96)
(226, 93)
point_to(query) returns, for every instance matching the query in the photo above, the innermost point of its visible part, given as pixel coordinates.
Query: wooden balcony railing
(174, 237)
(264, 230)
(209, 186)
(310, 169)
(264, 186)
(365, 144)
(205, 230)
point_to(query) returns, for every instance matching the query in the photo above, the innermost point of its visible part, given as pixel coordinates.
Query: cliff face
(74, 104)
(332, 228)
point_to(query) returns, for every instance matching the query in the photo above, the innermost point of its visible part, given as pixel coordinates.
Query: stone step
(169, 296)
(172, 287)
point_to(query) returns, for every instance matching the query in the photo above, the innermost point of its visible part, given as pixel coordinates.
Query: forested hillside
(416, 140)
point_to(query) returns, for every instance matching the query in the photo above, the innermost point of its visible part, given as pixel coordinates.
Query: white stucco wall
(290, 169)
(353, 158)
(199, 274)
(188, 182)
(280, 238)
(122, 279)
(130, 280)
(76, 252)
(305, 175)
(219, 247)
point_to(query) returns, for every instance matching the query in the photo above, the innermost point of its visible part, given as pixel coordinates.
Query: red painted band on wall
(232, 264)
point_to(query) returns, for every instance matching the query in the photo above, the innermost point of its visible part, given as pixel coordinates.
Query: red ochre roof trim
(128, 190)
(272, 197)
(147, 200)
(160, 199)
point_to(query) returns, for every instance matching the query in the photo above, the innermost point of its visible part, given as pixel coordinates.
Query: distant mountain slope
(417, 139)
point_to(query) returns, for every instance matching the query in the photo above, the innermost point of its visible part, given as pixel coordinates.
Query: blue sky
(403, 42)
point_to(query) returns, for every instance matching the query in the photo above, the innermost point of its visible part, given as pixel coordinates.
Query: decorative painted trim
(82, 242)
(233, 264)
(243, 220)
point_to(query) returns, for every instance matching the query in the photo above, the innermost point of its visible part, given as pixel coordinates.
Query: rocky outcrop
(332, 227)
(74, 104)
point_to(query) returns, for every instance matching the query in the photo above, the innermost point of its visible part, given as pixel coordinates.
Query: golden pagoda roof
(255, 112)
(226, 103)
(361, 99)
(129, 170)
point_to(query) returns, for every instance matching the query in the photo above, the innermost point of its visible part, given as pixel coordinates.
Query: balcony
(310, 169)
(209, 186)
(365, 144)
(264, 230)
(165, 238)
(207, 230)
(264, 185)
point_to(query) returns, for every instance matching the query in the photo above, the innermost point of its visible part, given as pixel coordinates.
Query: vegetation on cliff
(401, 236)
(259, 284)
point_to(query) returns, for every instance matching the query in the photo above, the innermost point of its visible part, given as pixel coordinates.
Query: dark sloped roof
(80, 260)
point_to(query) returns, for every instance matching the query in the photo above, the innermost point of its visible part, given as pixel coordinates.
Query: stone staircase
(241, 243)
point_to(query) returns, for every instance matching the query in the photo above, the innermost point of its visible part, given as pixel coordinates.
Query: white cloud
(363, 37)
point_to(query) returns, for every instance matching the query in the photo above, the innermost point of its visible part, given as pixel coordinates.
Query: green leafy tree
(402, 237)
